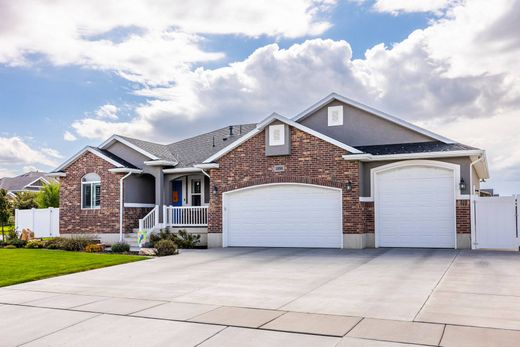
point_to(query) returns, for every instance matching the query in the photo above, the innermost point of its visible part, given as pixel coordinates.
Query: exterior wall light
(348, 185)
(215, 190)
(462, 184)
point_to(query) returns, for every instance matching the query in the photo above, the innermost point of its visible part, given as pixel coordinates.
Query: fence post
(51, 210)
(16, 223)
(32, 224)
(165, 216)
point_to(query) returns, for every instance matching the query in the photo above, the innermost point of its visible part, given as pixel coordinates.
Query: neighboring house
(27, 182)
(339, 174)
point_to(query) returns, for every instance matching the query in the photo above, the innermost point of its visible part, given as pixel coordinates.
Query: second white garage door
(415, 207)
(283, 215)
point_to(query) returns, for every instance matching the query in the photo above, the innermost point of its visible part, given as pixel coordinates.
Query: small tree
(5, 210)
(48, 196)
(25, 200)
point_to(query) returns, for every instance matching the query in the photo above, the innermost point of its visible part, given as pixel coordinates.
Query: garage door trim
(455, 168)
(226, 194)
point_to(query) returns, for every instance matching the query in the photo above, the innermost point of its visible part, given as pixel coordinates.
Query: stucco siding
(361, 128)
(128, 154)
(139, 189)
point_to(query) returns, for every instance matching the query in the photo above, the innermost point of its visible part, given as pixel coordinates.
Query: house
(28, 182)
(339, 174)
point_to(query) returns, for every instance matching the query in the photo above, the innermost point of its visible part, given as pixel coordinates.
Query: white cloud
(14, 152)
(460, 76)
(144, 41)
(30, 168)
(410, 6)
(68, 136)
(107, 112)
(5, 172)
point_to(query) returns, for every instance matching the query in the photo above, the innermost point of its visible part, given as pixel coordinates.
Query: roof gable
(105, 155)
(275, 116)
(334, 96)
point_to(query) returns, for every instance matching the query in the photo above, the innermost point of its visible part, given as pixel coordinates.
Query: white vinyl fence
(496, 222)
(44, 222)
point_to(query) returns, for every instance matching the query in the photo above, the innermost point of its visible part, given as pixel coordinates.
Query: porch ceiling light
(462, 184)
(348, 185)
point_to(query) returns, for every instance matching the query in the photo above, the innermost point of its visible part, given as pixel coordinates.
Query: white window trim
(91, 196)
(272, 129)
(330, 119)
(202, 190)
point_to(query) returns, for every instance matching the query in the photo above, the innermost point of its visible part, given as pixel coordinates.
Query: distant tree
(48, 196)
(25, 200)
(5, 210)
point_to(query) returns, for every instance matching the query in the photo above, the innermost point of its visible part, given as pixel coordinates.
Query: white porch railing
(150, 221)
(185, 215)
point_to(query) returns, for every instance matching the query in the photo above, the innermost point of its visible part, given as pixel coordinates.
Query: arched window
(90, 191)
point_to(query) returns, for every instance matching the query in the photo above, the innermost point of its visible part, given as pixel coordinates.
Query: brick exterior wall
(463, 213)
(368, 217)
(312, 161)
(131, 217)
(74, 220)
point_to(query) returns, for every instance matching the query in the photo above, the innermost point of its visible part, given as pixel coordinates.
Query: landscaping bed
(23, 265)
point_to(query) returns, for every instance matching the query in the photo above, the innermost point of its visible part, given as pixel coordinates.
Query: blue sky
(166, 73)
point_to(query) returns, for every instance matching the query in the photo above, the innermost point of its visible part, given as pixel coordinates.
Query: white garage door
(283, 215)
(415, 207)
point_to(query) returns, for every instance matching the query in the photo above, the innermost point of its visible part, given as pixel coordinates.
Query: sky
(72, 73)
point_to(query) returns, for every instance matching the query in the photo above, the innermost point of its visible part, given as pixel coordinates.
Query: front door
(176, 193)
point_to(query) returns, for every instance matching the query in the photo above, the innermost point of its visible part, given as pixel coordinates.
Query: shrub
(16, 243)
(120, 247)
(75, 243)
(164, 234)
(11, 234)
(165, 247)
(95, 248)
(10, 247)
(184, 239)
(52, 243)
(34, 244)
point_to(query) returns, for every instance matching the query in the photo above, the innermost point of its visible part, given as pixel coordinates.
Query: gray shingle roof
(159, 150)
(416, 147)
(193, 150)
(19, 182)
(115, 158)
(199, 148)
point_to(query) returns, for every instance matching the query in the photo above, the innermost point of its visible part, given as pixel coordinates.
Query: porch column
(159, 191)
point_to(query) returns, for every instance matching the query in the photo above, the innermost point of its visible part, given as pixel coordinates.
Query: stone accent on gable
(463, 215)
(312, 161)
(74, 220)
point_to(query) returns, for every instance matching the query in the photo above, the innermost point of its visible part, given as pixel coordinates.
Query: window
(90, 191)
(196, 192)
(276, 135)
(335, 115)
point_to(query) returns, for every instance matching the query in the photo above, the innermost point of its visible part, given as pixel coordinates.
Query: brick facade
(74, 220)
(368, 217)
(463, 213)
(131, 217)
(312, 161)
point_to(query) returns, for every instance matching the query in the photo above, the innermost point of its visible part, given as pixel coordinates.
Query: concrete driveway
(260, 297)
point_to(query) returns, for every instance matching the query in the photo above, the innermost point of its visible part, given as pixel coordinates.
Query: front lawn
(23, 265)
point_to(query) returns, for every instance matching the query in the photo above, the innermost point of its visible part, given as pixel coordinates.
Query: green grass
(23, 265)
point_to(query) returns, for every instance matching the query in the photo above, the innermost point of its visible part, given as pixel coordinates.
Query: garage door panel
(415, 207)
(284, 215)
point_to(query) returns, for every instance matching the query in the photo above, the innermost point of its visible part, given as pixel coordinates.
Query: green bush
(165, 247)
(120, 247)
(34, 244)
(10, 247)
(184, 239)
(11, 234)
(75, 243)
(16, 243)
(52, 243)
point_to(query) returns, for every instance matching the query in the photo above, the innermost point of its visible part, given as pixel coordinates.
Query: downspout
(121, 206)
(472, 202)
